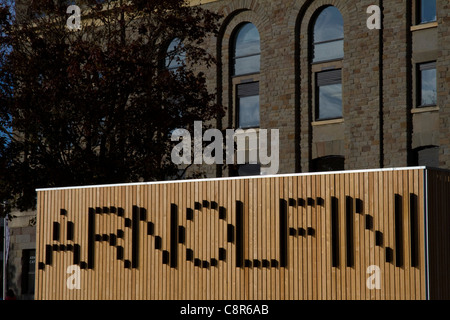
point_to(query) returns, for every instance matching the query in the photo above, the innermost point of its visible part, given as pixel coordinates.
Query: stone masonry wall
(377, 79)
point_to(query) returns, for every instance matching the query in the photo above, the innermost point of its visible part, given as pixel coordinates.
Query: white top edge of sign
(231, 178)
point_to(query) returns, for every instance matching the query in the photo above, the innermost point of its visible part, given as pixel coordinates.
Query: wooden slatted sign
(373, 234)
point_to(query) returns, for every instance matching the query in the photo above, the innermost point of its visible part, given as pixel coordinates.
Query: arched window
(247, 50)
(245, 63)
(328, 45)
(328, 35)
(176, 56)
(246, 57)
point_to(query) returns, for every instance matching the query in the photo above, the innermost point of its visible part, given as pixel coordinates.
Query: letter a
(74, 21)
(374, 21)
(374, 281)
(183, 147)
(73, 282)
(215, 147)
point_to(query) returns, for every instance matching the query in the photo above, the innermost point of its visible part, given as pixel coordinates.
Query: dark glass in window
(28, 270)
(249, 170)
(248, 105)
(427, 11)
(247, 50)
(329, 163)
(176, 56)
(328, 35)
(329, 95)
(249, 112)
(428, 84)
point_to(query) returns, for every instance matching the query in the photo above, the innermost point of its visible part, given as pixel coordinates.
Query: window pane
(330, 163)
(31, 280)
(28, 271)
(249, 112)
(329, 25)
(247, 50)
(175, 55)
(427, 11)
(247, 41)
(247, 65)
(330, 102)
(328, 28)
(329, 51)
(428, 87)
(249, 170)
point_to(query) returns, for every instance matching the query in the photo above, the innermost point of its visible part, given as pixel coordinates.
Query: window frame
(242, 79)
(314, 43)
(423, 66)
(238, 82)
(329, 81)
(322, 66)
(252, 93)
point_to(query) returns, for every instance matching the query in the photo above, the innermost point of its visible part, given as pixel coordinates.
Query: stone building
(22, 254)
(342, 95)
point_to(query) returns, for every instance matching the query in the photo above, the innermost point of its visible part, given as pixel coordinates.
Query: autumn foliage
(97, 106)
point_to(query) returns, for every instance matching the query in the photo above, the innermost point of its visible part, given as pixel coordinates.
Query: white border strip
(231, 178)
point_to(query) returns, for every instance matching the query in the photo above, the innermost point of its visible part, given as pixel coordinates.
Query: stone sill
(424, 26)
(424, 109)
(326, 122)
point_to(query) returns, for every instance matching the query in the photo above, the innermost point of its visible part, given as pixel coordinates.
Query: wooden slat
(374, 194)
(266, 239)
(326, 192)
(309, 257)
(258, 244)
(406, 236)
(230, 266)
(369, 234)
(362, 199)
(216, 238)
(297, 218)
(342, 283)
(303, 246)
